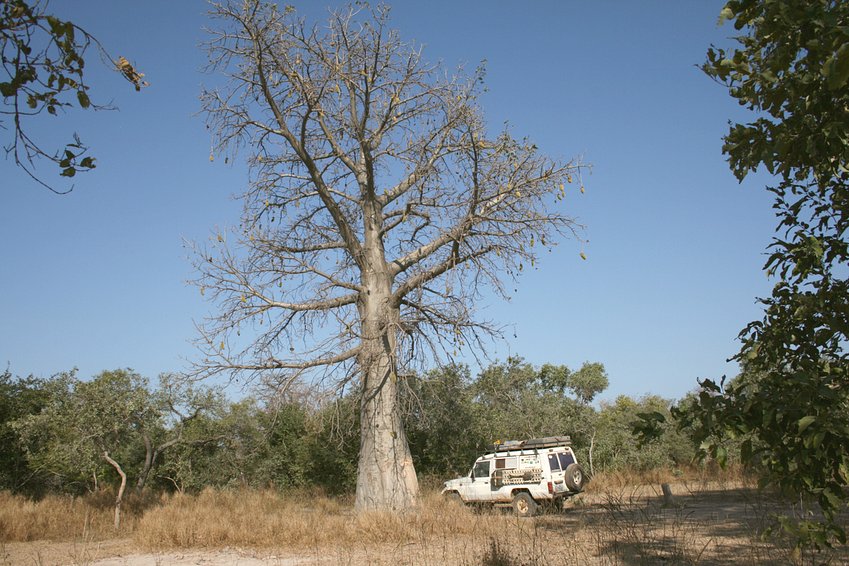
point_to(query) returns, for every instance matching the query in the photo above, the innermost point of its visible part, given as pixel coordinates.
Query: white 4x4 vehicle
(524, 474)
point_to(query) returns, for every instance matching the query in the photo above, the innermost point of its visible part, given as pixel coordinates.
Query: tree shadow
(721, 525)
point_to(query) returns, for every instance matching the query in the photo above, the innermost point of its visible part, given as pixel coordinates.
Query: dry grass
(265, 519)
(55, 517)
(699, 478)
(69, 518)
(621, 519)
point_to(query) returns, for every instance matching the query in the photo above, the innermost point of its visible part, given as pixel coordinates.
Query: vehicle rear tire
(575, 477)
(524, 505)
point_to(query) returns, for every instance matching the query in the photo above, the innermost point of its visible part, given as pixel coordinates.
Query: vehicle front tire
(454, 497)
(575, 477)
(524, 505)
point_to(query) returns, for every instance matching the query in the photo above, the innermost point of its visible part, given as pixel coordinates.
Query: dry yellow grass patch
(54, 517)
(265, 519)
(69, 518)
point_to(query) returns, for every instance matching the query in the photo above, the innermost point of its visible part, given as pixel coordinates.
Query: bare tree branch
(377, 215)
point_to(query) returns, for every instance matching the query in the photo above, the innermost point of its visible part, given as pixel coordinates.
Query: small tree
(116, 420)
(445, 434)
(514, 400)
(89, 421)
(513, 403)
(620, 444)
(379, 208)
(178, 404)
(588, 382)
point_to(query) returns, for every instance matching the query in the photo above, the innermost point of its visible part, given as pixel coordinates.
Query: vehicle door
(555, 468)
(480, 486)
(566, 459)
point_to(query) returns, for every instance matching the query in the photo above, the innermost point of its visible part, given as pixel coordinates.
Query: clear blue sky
(96, 279)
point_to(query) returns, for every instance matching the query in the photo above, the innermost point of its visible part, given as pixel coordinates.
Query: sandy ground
(216, 558)
(622, 526)
(122, 552)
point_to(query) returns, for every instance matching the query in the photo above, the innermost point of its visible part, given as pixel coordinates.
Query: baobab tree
(379, 208)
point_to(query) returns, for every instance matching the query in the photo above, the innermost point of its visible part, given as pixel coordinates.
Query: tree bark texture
(386, 477)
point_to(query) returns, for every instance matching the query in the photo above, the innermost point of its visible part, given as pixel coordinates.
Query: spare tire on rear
(574, 477)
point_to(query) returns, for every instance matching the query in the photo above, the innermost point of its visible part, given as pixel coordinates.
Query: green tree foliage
(179, 437)
(617, 447)
(453, 418)
(221, 449)
(19, 397)
(81, 433)
(791, 68)
(286, 461)
(441, 422)
(178, 404)
(86, 419)
(588, 382)
(515, 400)
(48, 439)
(336, 445)
(87, 423)
(280, 445)
(43, 62)
(198, 463)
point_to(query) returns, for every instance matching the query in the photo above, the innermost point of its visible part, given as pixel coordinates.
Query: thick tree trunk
(386, 478)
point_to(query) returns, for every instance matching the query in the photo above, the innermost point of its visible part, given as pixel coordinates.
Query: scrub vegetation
(277, 475)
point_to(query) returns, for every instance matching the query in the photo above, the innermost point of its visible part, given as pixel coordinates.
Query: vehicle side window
(481, 469)
(553, 463)
(566, 459)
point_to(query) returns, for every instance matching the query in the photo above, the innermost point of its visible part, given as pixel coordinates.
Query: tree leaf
(721, 456)
(83, 99)
(836, 68)
(805, 422)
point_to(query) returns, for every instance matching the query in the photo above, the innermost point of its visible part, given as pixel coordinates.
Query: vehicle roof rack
(531, 443)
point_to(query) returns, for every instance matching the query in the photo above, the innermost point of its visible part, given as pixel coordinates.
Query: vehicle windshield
(481, 470)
